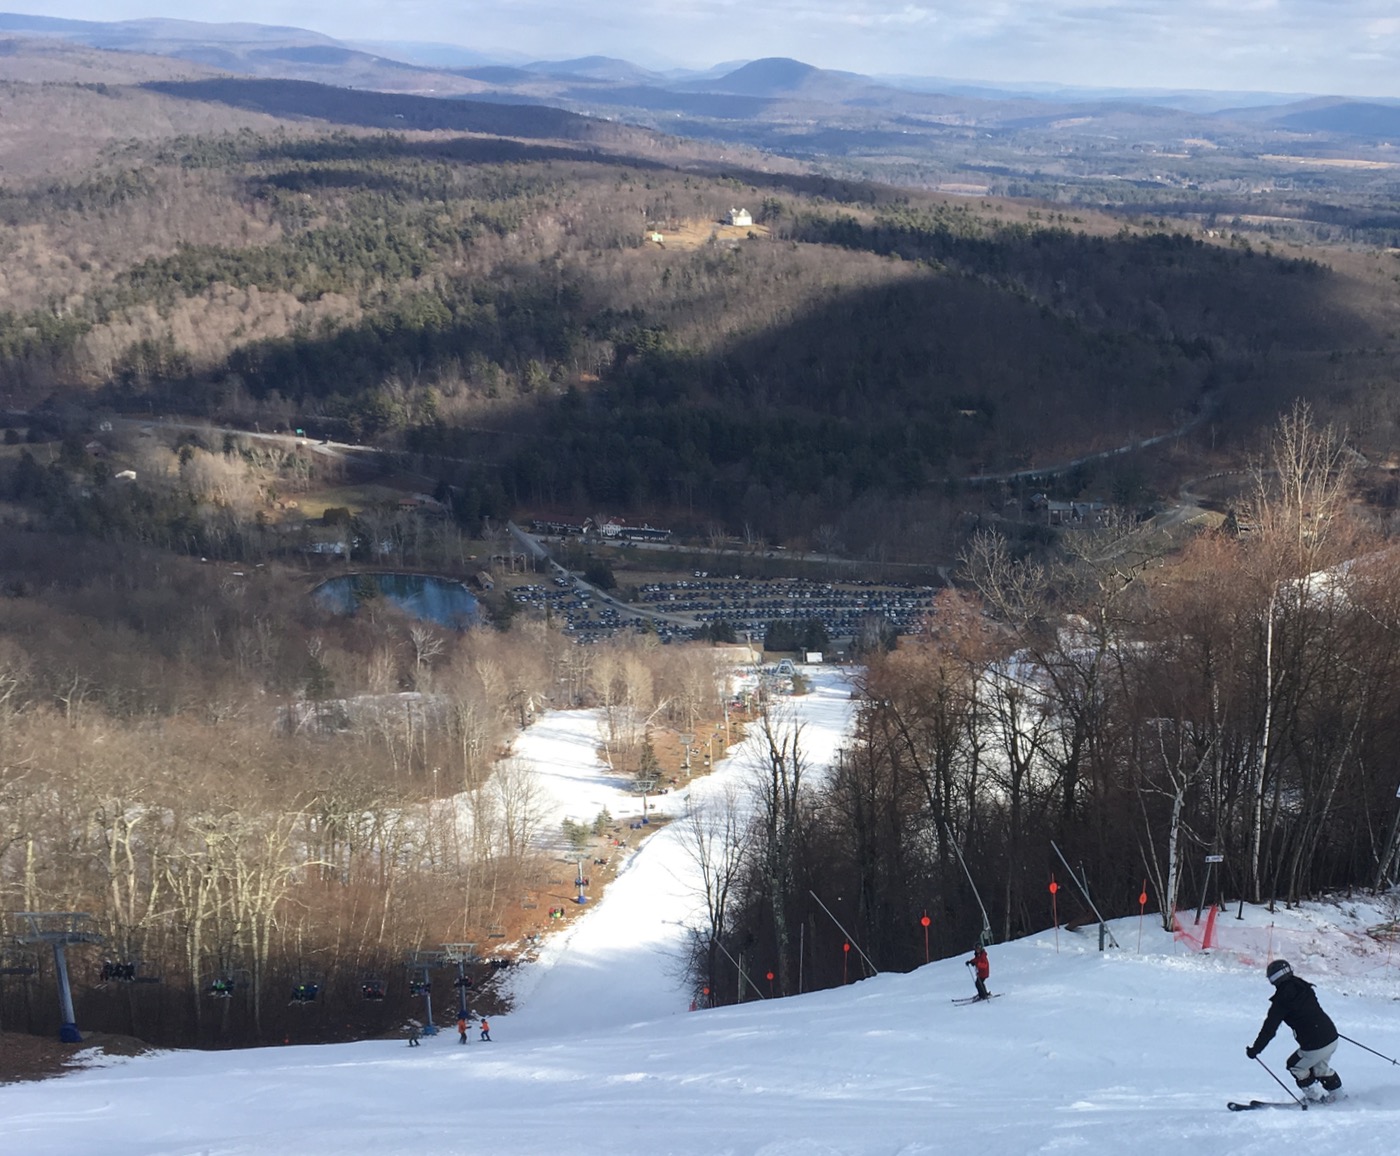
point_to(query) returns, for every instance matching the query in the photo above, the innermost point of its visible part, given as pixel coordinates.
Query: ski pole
(1364, 1048)
(1300, 1102)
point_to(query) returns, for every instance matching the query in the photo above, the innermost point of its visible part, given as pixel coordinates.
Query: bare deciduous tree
(427, 645)
(713, 837)
(519, 806)
(778, 785)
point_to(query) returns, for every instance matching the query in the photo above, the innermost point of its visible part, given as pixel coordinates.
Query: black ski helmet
(1277, 970)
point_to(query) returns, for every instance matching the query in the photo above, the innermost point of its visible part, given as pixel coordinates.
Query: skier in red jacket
(983, 968)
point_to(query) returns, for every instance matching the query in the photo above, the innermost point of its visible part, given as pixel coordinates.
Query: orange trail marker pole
(845, 960)
(1142, 908)
(1054, 911)
(925, 920)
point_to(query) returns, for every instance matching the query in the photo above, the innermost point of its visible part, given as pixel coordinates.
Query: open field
(1329, 162)
(693, 234)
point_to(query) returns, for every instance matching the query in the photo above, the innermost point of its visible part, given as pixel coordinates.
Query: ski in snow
(1250, 1105)
(1247, 1105)
(977, 998)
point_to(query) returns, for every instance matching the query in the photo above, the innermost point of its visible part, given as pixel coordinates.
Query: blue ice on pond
(440, 600)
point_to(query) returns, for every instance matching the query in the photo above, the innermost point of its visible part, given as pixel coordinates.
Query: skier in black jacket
(1295, 1003)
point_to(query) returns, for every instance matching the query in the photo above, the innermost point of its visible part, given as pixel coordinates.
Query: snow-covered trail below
(632, 943)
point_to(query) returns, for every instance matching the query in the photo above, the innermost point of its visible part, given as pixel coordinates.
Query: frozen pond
(441, 600)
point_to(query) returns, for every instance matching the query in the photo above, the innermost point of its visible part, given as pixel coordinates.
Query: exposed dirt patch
(24, 1057)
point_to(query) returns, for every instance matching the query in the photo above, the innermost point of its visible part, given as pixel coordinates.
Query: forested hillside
(859, 347)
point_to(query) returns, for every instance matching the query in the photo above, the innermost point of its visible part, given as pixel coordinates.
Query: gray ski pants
(1309, 1066)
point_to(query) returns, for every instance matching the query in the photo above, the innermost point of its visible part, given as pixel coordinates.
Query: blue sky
(1349, 47)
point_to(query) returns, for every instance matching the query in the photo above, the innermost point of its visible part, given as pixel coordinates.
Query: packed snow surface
(1133, 1049)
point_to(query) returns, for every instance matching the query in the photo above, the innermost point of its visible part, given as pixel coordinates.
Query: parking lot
(677, 609)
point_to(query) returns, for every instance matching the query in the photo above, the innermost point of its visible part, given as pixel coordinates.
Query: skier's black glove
(1252, 1052)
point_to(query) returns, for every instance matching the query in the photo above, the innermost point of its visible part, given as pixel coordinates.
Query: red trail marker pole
(845, 960)
(925, 920)
(1054, 911)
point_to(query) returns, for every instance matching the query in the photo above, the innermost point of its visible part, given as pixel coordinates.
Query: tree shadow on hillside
(1029, 353)
(304, 98)
(463, 150)
(979, 352)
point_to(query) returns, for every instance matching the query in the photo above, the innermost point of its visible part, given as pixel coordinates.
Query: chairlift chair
(117, 971)
(372, 989)
(124, 971)
(18, 963)
(305, 993)
(223, 979)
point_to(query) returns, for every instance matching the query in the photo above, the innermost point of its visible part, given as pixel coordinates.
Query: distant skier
(1295, 1003)
(485, 1030)
(462, 1026)
(983, 967)
(414, 1030)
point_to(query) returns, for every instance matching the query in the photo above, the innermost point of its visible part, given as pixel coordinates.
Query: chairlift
(118, 971)
(223, 979)
(124, 971)
(305, 993)
(419, 987)
(372, 989)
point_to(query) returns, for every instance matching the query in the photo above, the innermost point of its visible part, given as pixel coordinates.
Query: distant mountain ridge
(768, 77)
(248, 48)
(108, 34)
(598, 68)
(1351, 117)
(781, 76)
(950, 131)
